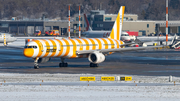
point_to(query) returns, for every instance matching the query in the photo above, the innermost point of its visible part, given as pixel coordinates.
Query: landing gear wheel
(93, 65)
(63, 64)
(60, 64)
(36, 66)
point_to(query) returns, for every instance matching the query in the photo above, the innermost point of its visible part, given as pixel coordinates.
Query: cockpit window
(31, 47)
(125, 35)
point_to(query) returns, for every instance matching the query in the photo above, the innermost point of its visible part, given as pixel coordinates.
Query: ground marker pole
(40, 84)
(4, 81)
(79, 22)
(134, 81)
(42, 80)
(69, 23)
(174, 83)
(136, 84)
(166, 22)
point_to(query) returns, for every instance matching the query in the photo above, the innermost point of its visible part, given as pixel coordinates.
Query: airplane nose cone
(28, 52)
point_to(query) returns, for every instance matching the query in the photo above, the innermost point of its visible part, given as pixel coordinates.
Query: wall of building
(143, 27)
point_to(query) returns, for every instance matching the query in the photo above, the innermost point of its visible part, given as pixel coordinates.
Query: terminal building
(131, 23)
(98, 21)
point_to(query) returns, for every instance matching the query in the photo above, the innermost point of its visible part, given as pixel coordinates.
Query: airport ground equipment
(52, 33)
(37, 33)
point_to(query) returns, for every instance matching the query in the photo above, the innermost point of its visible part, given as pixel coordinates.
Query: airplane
(89, 33)
(6, 38)
(95, 49)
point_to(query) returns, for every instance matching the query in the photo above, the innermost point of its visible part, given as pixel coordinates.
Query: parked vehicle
(37, 33)
(52, 33)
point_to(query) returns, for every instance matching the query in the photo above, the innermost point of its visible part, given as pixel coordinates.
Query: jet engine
(96, 57)
(43, 60)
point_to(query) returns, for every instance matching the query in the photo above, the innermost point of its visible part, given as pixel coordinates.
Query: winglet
(117, 28)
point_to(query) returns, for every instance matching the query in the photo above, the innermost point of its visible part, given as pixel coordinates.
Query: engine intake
(96, 57)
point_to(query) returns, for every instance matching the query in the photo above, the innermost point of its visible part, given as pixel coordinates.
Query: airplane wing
(16, 47)
(117, 49)
(125, 44)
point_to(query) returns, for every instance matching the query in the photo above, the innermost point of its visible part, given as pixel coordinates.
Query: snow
(68, 87)
(89, 93)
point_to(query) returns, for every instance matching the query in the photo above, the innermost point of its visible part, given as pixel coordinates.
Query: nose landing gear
(36, 65)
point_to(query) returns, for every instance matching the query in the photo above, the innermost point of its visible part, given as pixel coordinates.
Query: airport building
(98, 21)
(131, 23)
(173, 26)
(29, 27)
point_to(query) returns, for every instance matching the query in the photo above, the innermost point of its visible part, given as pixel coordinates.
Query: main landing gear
(62, 64)
(93, 65)
(36, 65)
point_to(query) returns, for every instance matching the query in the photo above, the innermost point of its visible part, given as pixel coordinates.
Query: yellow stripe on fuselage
(112, 43)
(99, 43)
(67, 47)
(74, 48)
(87, 44)
(61, 48)
(117, 43)
(47, 47)
(105, 43)
(54, 48)
(80, 43)
(40, 47)
(93, 44)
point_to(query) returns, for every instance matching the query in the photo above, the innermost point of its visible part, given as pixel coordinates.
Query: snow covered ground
(30, 87)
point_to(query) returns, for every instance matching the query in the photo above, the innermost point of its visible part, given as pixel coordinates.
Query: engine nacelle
(96, 57)
(43, 60)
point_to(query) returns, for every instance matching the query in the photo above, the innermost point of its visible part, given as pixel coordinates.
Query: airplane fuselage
(104, 34)
(67, 48)
(9, 38)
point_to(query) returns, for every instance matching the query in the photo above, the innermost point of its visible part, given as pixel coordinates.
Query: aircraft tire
(60, 64)
(93, 65)
(36, 67)
(65, 64)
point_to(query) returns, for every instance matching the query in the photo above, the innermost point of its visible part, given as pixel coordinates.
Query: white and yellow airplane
(95, 49)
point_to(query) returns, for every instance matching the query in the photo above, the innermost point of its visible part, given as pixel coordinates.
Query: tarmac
(152, 62)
